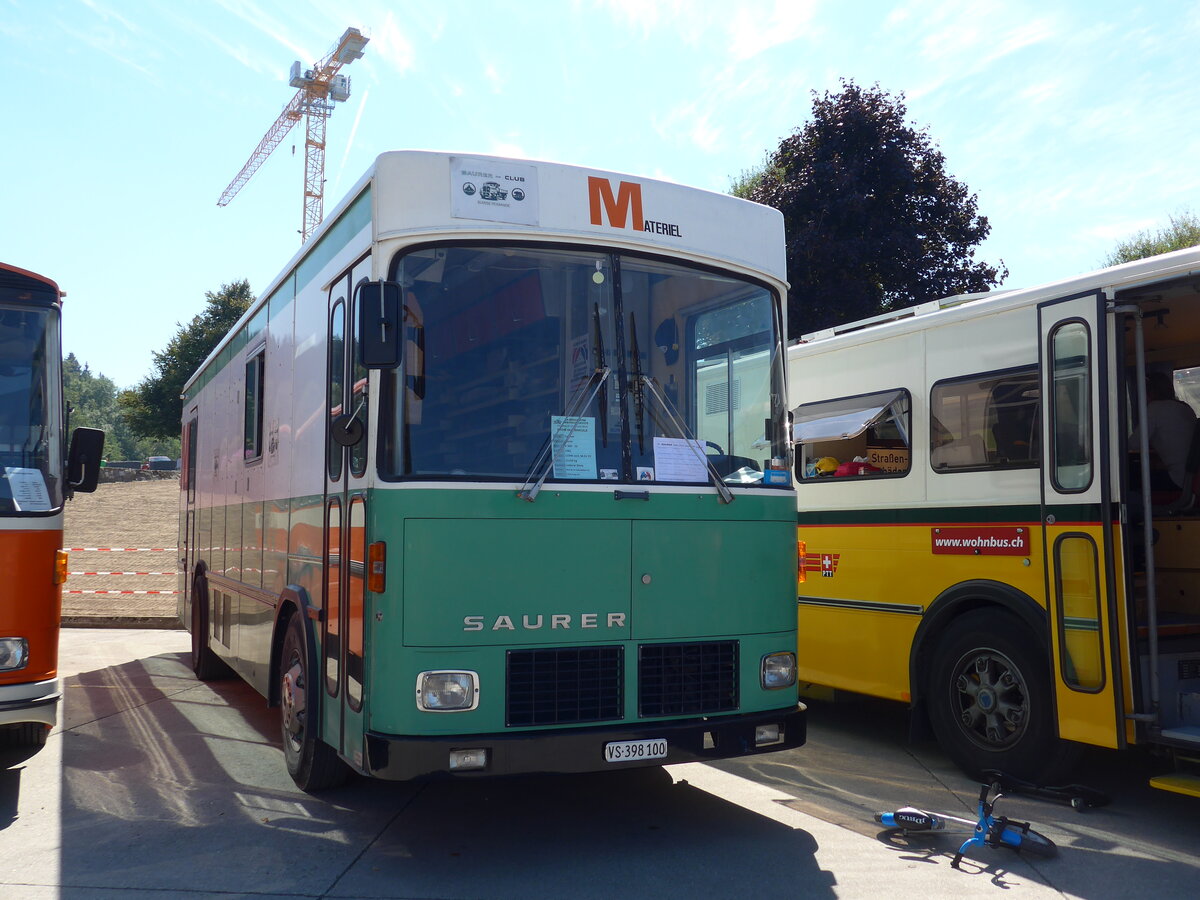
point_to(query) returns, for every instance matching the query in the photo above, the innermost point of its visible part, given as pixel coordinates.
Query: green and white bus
(481, 484)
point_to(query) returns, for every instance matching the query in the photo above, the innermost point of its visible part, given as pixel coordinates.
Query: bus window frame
(1050, 406)
(1066, 664)
(991, 375)
(871, 476)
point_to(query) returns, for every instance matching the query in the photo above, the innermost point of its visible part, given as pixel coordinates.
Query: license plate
(631, 751)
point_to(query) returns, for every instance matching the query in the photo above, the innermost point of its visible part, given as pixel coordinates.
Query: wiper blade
(639, 391)
(580, 400)
(677, 423)
(603, 411)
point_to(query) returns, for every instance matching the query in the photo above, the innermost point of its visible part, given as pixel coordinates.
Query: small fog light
(14, 653)
(778, 671)
(462, 760)
(447, 691)
(766, 734)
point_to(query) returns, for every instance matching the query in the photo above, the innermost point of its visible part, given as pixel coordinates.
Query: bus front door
(345, 533)
(1077, 526)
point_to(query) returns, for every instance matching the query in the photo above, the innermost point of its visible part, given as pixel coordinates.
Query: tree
(152, 408)
(1183, 232)
(873, 219)
(92, 399)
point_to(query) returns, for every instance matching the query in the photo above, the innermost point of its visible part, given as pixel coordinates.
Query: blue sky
(1075, 122)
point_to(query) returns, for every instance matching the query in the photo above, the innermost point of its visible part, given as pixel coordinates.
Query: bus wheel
(205, 663)
(312, 763)
(990, 703)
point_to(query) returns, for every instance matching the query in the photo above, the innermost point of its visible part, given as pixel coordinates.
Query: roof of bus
(565, 201)
(1139, 273)
(14, 276)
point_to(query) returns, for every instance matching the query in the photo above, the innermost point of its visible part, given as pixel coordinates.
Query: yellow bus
(973, 540)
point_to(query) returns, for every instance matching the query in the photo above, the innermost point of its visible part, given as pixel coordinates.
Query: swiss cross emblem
(825, 563)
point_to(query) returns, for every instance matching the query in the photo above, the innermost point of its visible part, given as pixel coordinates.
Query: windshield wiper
(603, 411)
(582, 397)
(677, 423)
(639, 391)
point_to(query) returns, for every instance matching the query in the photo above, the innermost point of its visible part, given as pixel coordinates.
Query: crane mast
(319, 88)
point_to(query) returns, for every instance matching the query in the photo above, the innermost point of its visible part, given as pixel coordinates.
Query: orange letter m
(616, 208)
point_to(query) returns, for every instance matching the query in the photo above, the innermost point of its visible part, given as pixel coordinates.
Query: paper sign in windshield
(28, 489)
(574, 446)
(677, 459)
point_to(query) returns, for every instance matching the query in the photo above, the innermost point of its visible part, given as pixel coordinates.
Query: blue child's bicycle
(989, 830)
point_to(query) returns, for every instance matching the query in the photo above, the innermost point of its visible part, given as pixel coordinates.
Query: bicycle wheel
(1032, 843)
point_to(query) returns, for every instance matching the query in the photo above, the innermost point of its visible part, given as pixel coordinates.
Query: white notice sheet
(28, 489)
(677, 459)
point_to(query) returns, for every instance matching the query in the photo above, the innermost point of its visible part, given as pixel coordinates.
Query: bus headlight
(778, 671)
(445, 691)
(14, 653)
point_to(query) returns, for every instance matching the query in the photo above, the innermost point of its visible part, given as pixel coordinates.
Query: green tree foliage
(92, 399)
(1183, 232)
(153, 407)
(873, 219)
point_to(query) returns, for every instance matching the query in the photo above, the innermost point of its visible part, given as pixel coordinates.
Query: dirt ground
(138, 514)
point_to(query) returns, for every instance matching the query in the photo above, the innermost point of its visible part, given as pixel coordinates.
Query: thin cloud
(362, 105)
(393, 45)
(752, 33)
(253, 15)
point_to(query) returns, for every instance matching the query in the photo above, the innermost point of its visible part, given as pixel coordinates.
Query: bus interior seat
(1185, 501)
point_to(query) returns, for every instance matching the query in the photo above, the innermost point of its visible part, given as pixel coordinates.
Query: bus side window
(854, 437)
(984, 421)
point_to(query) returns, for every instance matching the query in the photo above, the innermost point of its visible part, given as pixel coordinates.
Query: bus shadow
(172, 785)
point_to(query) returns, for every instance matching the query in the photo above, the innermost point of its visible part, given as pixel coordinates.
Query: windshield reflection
(526, 363)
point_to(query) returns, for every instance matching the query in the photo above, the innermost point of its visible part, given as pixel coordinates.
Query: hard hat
(826, 465)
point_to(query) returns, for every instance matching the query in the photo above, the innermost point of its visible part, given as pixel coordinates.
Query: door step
(1179, 783)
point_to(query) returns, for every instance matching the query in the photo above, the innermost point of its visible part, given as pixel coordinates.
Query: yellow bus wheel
(990, 699)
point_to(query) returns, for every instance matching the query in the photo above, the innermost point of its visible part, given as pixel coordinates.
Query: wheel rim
(293, 702)
(990, 699)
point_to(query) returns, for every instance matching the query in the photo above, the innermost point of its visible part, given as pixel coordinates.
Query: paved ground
(157, 786)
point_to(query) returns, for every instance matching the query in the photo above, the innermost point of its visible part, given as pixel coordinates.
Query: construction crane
(319, 89)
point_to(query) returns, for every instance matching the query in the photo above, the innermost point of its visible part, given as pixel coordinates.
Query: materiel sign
(981, 541)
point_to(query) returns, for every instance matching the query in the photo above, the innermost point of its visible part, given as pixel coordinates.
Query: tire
(991, 702)
(1035, 844)
(206, 665)
(24, 736)
(313, 764)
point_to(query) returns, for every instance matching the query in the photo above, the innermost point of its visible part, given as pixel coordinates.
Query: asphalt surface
(155, 785)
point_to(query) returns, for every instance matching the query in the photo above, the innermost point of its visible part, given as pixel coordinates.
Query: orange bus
(35, 479)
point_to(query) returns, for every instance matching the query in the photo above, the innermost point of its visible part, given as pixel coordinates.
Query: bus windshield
(29, 412)
(591, 365)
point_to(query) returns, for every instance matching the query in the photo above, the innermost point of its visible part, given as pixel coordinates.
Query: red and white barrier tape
(120, 549)
(120, 592)
(122, 573)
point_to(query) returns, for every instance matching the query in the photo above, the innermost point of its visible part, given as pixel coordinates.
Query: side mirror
(346, 430)
(378, 306)
(83, 459)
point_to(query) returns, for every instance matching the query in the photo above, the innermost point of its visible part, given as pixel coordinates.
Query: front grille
(563, 685)
(687, 679)
(1189, 668)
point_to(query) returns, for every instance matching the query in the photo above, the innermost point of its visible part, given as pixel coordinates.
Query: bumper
(579, 750)
(33, 702)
